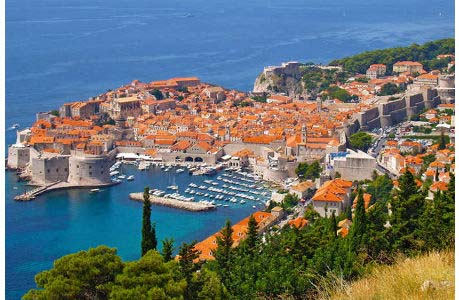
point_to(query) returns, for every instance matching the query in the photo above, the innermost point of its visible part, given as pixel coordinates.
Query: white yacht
(130, 178)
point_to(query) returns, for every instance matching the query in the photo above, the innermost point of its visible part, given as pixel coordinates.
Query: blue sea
(65, 50)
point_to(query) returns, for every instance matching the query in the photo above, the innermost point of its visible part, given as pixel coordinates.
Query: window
(90, 167)
(57, 170)
(49, 170)
(90, 173)
(78, 166)
(101, 172)
(65, 170)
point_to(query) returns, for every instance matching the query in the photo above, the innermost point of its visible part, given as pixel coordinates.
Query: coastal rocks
(190, 206)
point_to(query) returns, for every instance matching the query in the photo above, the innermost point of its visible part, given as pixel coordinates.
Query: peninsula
(184, 121)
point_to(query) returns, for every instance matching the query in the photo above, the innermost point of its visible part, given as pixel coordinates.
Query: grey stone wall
(49, 169)
(90, 170)
(355, 168)
(18, 157)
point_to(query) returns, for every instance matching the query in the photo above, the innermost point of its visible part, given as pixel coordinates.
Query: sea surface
(59, 51)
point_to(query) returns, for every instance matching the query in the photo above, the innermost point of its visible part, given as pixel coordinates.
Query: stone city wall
(90, 169)
(46, 170)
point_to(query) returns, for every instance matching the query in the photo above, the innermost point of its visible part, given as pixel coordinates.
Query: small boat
(180, 170)
(226, 205)
(254, 207)
(242, 202)
(15, 125)
(94, 190)
(130, 178)
(173, 187)
(122, 177)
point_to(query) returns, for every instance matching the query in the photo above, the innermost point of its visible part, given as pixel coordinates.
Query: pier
(30, 195)
(59, 185)
(190, 206)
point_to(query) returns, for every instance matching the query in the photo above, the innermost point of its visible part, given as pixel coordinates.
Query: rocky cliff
(280, 79)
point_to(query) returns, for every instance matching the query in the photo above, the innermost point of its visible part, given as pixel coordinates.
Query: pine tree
(223, 253)
(148, 230)
(168, 249)
(252, 235)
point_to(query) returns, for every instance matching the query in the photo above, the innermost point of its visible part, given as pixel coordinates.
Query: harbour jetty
(190, 206)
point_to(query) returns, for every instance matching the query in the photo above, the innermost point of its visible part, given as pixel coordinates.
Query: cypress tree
(252, 235)
(334, 225)
(358, 228)
(187, 255)
(168, 249)
(149, 241)
(223, 253)
(407, 208)
(442, 144)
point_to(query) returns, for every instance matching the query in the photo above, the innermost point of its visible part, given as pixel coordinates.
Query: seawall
(190, 206)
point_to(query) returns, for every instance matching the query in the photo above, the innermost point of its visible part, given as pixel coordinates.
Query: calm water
(65, 50)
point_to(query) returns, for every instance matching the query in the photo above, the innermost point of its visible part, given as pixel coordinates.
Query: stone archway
(189, 159)
(198, 159)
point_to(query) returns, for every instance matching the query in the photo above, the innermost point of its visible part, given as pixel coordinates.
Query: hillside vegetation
(425, 54)
(429, 276)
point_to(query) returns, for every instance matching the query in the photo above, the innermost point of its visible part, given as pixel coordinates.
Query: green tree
(187, 255)
(149, 278)
(437, 224)
(82, 275)
(208, 286)
(407, 208)
(361, 140)
(54, 113)
(223, 253)
(359, 223)
(380, 188)
(252, 235)
(149, 241)
(157, 94)
(168, 249)
(389, 89)
(442, 143)
(308, 171)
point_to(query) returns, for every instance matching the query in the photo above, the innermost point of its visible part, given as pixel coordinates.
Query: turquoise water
(66, 50)
(63, 222)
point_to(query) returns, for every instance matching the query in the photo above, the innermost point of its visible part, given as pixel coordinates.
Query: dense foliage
(308, 171)
(334, 92)
(286, 263)
(390, 89)
(149, 241)
(360, 140)
(316, 80)
(425, 54)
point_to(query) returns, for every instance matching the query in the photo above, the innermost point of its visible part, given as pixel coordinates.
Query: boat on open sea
(94, 190)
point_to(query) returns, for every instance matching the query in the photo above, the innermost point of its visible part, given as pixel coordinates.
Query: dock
(30, 195)
(190, 206)
(59, 185)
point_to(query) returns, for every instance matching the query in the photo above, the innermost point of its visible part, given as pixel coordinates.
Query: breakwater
(190, 206)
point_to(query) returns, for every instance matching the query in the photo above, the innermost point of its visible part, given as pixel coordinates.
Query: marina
(232, 185)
